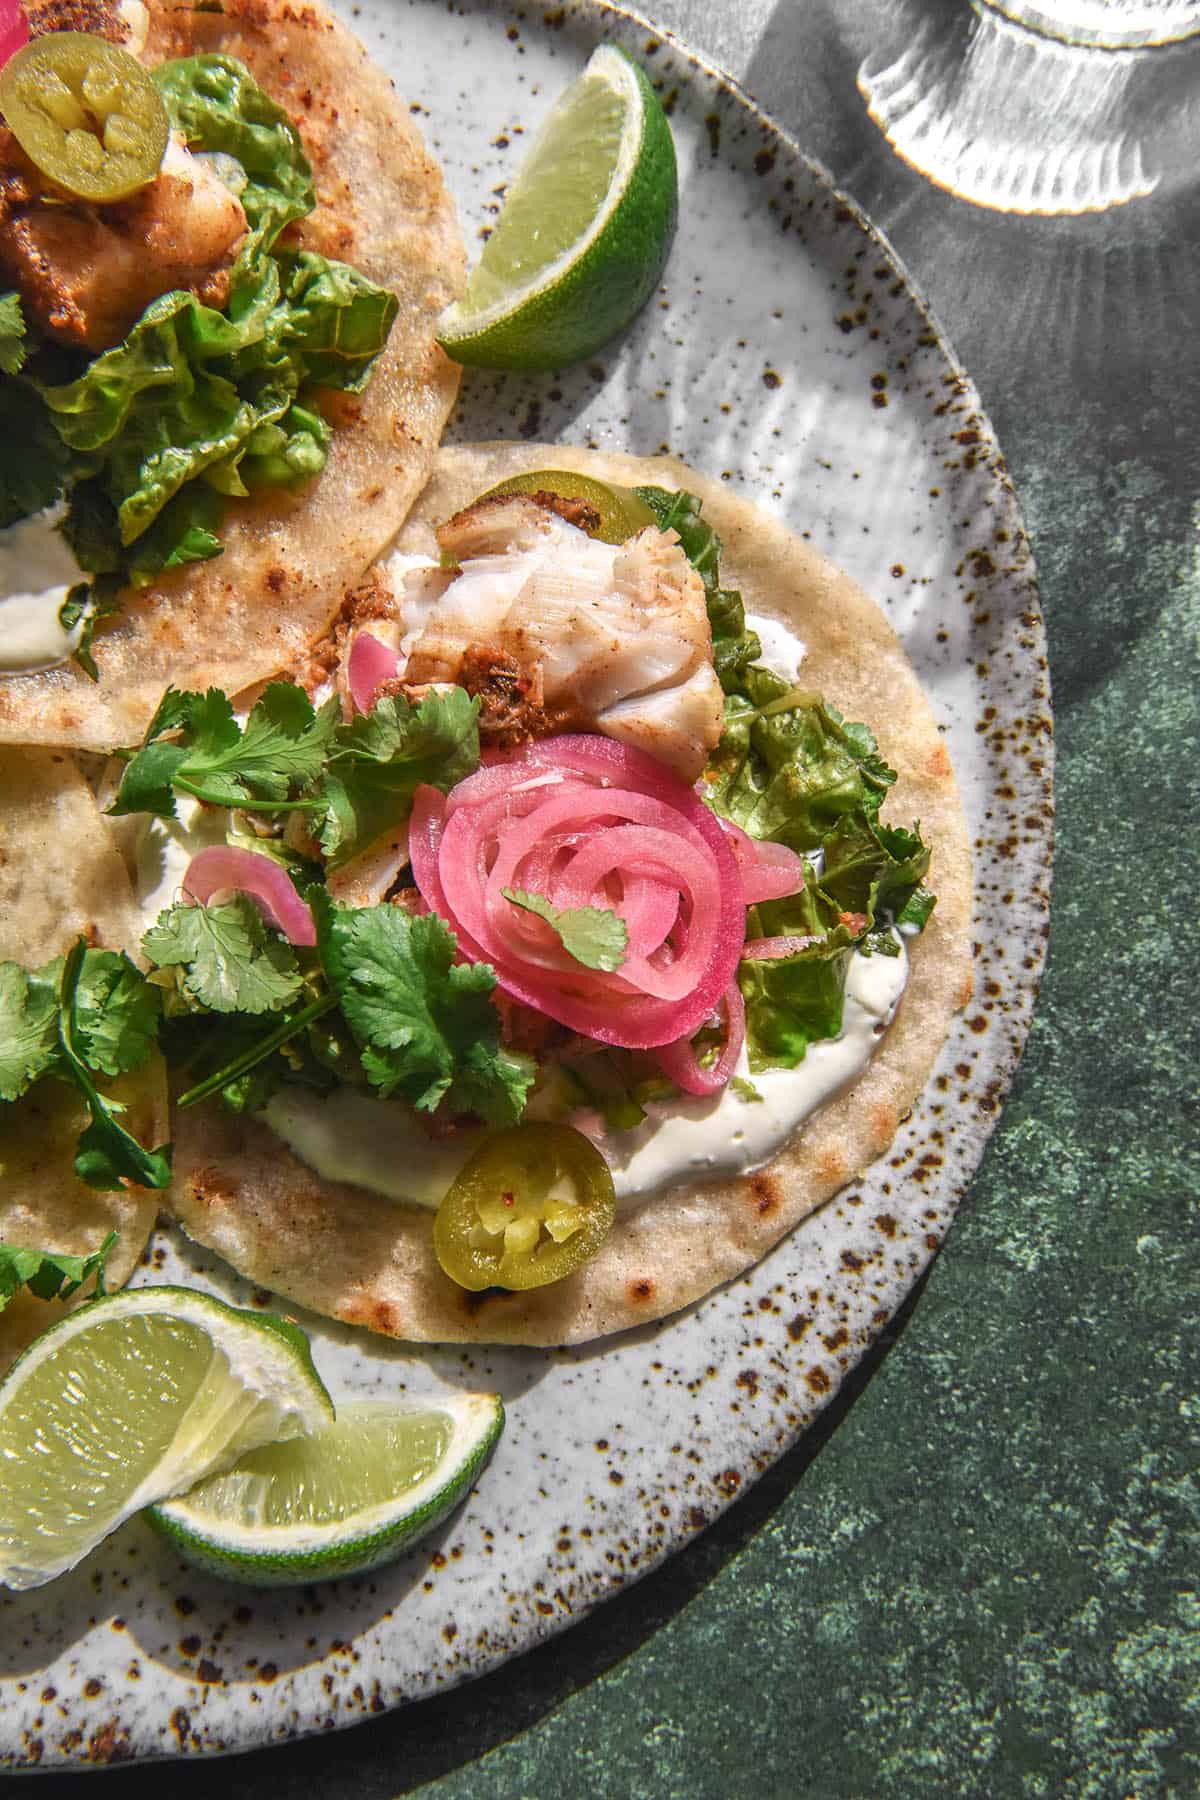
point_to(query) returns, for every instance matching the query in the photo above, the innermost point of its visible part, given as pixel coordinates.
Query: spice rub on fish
(86, 272)
(557, 631)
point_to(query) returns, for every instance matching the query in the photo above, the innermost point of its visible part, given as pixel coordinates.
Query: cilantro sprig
(410, 1020)
(355, 780)
(594, 935)
(89, 1014)
(51, 1274)
(424, 1022)
(195, 746)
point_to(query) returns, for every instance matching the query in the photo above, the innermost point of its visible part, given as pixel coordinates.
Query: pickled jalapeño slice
(85, 113)
(532, 1205)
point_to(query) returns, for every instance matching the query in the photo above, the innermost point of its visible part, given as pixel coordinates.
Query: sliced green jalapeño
(619, 511)
(532, 1205)
(85, 113)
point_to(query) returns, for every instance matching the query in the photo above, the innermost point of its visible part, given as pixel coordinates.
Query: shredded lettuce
(218, 105)
(790, 768)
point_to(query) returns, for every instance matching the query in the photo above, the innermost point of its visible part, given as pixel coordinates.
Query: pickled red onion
(769, 949)
(221, 868)
(679, 1062)
(14, 29)
(587, 822)
(371, 664)
(769, 871)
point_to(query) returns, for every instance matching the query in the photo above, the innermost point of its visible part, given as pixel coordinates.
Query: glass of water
(1041, 106)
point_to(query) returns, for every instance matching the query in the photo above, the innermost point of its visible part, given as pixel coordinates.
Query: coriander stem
(260, 1051)
(196, 790)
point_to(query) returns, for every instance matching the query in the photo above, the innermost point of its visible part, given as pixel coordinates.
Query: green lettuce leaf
(337, 321)
(788, 766)
(217, 104)
(424, 1023)
(734, 648)
(875, 869)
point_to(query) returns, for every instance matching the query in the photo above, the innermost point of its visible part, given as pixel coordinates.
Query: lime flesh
(584, 233)
(353, 1494)
(129, 1399)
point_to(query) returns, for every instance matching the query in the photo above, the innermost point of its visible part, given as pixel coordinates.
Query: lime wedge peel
(355, 1494)
(584, 232)
(134, 1397)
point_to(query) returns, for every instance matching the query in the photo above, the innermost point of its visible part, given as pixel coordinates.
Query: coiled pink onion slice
(221, 869)
(14, 29)
(587, 822)
(678, 1061)
(769, 871)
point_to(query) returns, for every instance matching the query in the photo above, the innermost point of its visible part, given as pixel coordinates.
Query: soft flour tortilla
(345, 1252)
(381, 205)
(60, 876)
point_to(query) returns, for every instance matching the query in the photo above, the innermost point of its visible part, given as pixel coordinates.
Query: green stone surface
(978, 1574)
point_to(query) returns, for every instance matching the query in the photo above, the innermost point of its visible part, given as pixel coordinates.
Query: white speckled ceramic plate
(789, 355)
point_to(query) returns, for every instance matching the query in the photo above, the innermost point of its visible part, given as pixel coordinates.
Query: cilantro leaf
(28, 1030)
(281, 749)
(593, 935)
(108, 1155)
(377, 762)
(424, 1023)
(228, 960)
(116, 1013)
(50, 1274)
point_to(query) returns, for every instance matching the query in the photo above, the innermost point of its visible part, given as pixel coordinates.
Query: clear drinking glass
(1041, 106)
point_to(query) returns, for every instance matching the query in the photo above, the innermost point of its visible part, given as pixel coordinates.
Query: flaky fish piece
(608, 638)
(85, 273)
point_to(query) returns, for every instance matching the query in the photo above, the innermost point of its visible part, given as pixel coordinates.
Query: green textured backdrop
(978, 1575)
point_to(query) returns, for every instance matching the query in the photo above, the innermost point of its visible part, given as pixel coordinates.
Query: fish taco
(603, 914)
(220, 387)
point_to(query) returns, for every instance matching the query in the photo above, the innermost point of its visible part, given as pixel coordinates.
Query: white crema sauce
(37, 570)
(350, 1137)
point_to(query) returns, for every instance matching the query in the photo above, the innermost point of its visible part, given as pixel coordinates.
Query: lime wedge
(622, 515)
(584, 233)
(355, 1494)
(133, 1397)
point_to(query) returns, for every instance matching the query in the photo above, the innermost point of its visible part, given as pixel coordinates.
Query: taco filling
(545, 839)
(528, 962)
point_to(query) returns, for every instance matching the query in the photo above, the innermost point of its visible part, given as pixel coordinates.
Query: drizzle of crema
(37, 570)
(350, 1137)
